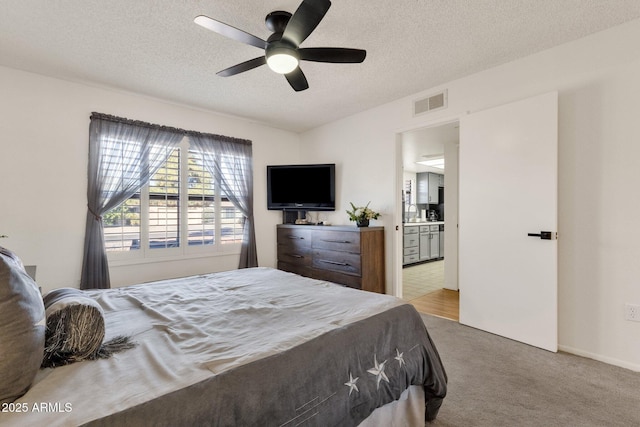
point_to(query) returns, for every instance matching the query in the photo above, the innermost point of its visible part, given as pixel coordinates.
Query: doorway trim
(398, 241)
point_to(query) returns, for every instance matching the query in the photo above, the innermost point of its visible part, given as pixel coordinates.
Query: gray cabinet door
(425, 246)
(434, 244)
(422, 186)
(427, 186)
(433, 185)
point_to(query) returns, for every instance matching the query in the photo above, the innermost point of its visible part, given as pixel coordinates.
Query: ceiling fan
(282, 51)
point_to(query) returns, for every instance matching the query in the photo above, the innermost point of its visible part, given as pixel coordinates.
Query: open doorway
(429, 262)
(509, 271)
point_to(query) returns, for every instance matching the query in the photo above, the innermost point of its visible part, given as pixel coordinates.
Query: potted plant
(362, 214)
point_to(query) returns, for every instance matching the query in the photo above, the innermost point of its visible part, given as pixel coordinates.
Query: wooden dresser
(347, 255)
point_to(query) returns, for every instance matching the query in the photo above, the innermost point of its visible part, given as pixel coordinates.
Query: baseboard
(600, 358)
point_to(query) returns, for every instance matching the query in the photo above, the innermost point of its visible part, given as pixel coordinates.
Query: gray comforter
(248, 347)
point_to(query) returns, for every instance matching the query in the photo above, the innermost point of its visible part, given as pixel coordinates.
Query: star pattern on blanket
(378, 371)
(400, 357)
(352, 384)
(383, 371)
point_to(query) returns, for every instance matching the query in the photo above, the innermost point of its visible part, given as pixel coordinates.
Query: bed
(248, 347)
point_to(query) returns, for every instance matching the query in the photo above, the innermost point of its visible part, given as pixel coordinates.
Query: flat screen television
(301, 187)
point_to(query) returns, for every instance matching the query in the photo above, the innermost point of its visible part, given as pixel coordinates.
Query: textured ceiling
(153, 47)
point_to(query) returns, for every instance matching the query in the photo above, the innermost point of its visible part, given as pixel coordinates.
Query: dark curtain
(230, 161)
(123, 156)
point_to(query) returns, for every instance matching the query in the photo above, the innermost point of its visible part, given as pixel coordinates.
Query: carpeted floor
(494, 381)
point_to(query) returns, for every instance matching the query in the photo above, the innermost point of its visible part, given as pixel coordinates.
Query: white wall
(44, 127)
(599, 130)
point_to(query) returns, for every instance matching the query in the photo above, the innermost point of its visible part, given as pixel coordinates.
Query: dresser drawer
(293, 239)
(341, 241)
(294, 268)
(342, 262)
(337, 277)
(294, 255)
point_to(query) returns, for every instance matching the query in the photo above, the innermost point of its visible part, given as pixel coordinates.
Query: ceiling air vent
(430, 103)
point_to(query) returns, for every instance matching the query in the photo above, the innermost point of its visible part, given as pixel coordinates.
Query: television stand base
(293, 217)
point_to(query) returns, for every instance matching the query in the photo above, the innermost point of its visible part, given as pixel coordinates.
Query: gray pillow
(22, 328)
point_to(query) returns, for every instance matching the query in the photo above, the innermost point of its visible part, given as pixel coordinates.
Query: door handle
(544, 235)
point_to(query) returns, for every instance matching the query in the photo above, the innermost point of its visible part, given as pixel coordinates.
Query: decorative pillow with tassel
(76, 329)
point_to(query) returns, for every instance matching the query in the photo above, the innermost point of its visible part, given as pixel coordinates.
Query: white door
(508, 189)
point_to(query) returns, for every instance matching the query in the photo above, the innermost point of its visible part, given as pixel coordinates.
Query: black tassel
(115, 345)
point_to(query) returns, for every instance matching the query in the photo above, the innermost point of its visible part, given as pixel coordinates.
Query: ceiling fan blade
(332, 54)
(242, 67)
(229, 31)
(305, 19)
(297, 80)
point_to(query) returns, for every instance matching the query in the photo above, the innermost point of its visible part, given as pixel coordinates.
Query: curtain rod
(116, 119)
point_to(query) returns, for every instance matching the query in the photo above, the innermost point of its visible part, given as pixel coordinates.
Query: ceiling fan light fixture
(282, 52)
(282, 60)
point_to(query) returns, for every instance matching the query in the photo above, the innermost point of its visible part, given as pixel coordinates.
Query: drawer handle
(290, 236)
(344, 264)
(297, 256)
(336, 241)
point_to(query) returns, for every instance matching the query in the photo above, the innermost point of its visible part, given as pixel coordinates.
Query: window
(149, 193)
(182, 210)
